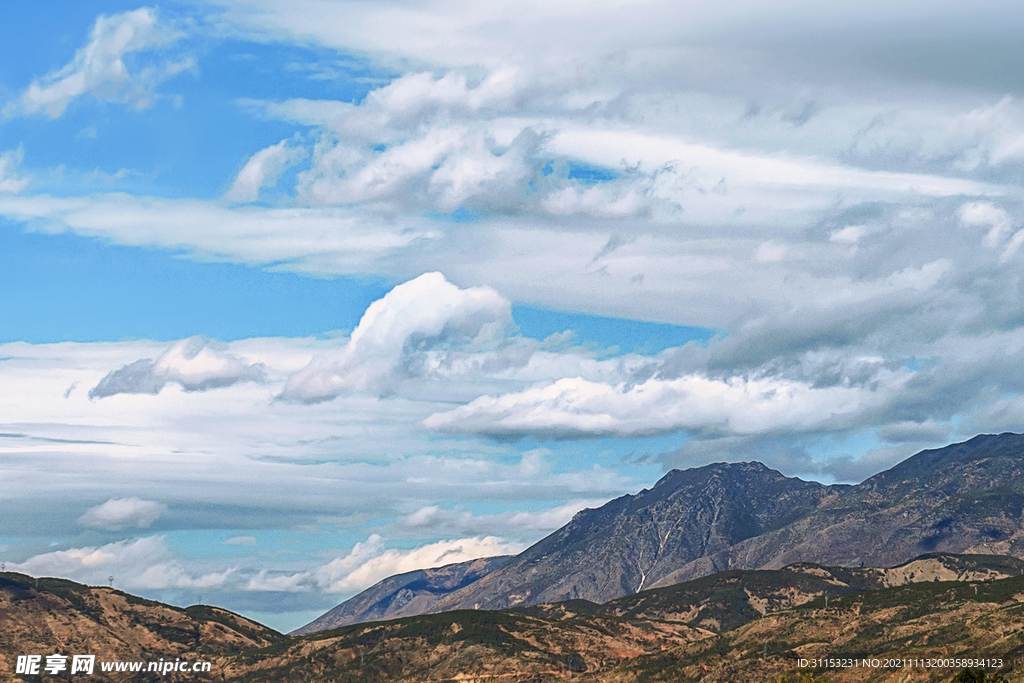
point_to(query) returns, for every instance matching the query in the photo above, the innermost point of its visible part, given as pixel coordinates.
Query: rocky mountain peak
(964, 498)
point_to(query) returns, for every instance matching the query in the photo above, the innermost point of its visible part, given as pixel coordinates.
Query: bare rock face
(964, 498)
(634, 541)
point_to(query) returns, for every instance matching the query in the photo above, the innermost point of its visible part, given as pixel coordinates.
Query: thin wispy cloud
(104, 68)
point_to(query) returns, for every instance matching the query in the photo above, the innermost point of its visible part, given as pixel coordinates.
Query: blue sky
(297, 298)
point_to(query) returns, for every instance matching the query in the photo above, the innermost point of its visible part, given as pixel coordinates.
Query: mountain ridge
(965, 497)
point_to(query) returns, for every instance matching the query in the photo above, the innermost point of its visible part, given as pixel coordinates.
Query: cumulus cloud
(396, 335)
(371, 561)
(105, 68)
(192, 363)
(119, 513)
(262, 170)
(578, 408)
(140, 564)
(440, 142)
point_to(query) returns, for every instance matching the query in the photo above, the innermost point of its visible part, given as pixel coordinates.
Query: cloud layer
(577, 408)
(140, 564)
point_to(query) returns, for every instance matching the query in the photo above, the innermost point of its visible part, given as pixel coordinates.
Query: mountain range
(719, 573)
(730, 626)
(964, 498)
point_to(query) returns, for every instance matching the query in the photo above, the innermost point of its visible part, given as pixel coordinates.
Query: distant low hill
(55, 616)
(964, 498)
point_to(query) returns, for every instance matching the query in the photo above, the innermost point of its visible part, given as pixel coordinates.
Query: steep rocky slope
(967, 497)
(634, 541)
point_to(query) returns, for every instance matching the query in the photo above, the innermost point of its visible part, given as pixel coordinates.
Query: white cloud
(141, 564)
(266, 581)
(370, 562)
(986, 214)
(262, 170)
(118, 513)
(435, 143)
(208, 456)
(192, 363)
(770, 252)
(324, 240)
(424, 142)
(963, 141)
(851, 234)
(462, 32)
(427, 313)
(1001, 226)
(439, 520)
(1012, 246)
(9, 180)
(455, 32)
(100, 68)
(990, 135)
(577, 408)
